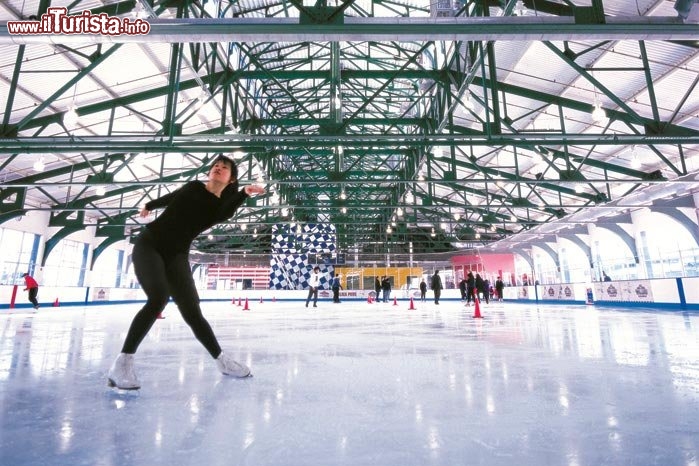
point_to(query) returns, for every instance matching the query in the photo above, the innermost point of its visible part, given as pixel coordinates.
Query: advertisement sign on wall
(559, 292)
(100, 294)
(638, 291)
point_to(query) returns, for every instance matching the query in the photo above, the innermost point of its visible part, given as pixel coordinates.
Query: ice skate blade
(112, 384)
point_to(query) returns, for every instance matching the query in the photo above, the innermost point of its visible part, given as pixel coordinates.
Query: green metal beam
(255, 142)
(512, 28)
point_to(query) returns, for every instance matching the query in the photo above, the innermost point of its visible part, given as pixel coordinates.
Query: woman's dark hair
(228, 161)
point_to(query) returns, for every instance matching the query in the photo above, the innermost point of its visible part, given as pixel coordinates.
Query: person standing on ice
(313, 285)
(336, 287)
(161, 263)
(436, 286)
(499, 288)
(32, 289)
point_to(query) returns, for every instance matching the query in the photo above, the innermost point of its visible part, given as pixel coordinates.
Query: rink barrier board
(668, 294)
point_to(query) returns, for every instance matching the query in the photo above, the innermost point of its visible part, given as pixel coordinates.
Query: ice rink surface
(356, 384)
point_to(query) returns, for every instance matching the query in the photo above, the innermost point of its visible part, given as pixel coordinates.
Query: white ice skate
(122, 374)
(228, 366)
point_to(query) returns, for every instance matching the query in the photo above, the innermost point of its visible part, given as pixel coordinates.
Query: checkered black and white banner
(292, 247)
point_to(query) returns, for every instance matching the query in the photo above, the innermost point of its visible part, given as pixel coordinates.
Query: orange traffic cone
(240, 301)
(412, 304)
(477, 314)
(368, 299)
(261, 302)
(233, 300)
(395, 301)
(55, 303)
(274, 299)
(246, 308)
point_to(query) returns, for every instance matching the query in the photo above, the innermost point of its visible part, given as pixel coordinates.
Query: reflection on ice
(356, 385)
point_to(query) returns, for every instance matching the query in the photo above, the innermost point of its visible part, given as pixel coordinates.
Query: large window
(613, 257)
(547, 271)
(107, 269)
(66, 264)
(19, 251)
(667, 248)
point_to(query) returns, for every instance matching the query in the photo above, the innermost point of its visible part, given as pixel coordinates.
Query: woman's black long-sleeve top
(189, 211)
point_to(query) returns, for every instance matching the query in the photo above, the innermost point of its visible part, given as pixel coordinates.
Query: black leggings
(32, 296)
(161, 277)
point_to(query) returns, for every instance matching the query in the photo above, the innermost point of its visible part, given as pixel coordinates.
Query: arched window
(667, 249)
(66, 264)
(575, 265)
(107, 269)
(613, 257)
(545, 267)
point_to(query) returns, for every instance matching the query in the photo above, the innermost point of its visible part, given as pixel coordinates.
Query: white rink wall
(671, 293)
(681, 294)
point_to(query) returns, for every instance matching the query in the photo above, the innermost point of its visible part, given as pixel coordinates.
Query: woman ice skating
(161, 263)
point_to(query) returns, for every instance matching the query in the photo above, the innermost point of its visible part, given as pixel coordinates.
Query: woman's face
(221, 172)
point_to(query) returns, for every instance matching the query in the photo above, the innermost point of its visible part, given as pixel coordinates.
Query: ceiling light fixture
(70, 118)
(598, 113)
(520, 9)
(468, 104)
(39, 165)
(635, 161)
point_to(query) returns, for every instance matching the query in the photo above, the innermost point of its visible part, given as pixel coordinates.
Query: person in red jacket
(32, 288)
